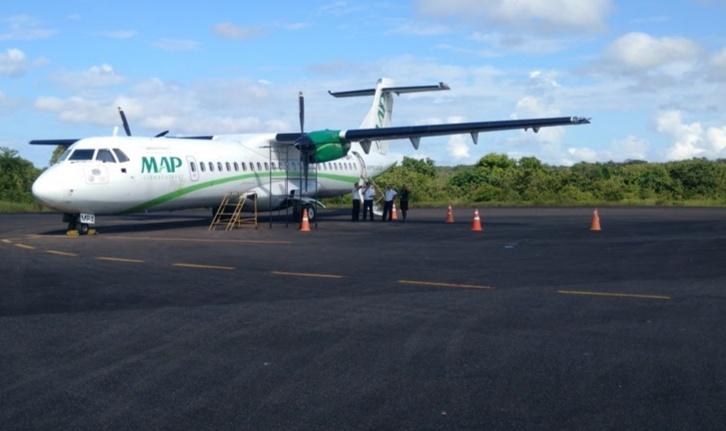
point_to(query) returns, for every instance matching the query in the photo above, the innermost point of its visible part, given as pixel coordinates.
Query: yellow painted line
(306, 274)
(25, 246)
(7, 241)
(61, 253)
(198, 266)
(439, 284)
(614, 294)
(119, 259)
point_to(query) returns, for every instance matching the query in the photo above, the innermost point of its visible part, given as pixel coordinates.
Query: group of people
(367, 193)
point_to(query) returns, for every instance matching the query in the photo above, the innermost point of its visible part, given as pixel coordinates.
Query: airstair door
(193, 168)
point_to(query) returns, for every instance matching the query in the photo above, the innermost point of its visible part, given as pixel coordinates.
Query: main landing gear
(76, 227)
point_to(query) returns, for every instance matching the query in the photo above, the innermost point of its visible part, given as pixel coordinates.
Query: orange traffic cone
(476, 223)
(595, 224)
(394, 212)
(305, 225)
(449, 215)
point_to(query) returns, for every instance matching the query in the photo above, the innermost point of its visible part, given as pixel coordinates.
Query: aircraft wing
(415, 133)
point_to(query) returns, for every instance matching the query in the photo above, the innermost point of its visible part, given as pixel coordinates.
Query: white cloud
(522, 42)
(583, 154)
(95, 76)
(12, 62)
(176, 45)
(640, 52)
(717, 66)
(232, 31)
(420, 29)
(24, 27)
(543, 15)
(691, 140)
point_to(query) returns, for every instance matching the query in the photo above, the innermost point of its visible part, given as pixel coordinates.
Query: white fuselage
(172, 173)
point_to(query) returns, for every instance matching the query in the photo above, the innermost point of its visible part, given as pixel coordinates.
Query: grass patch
(21, 207)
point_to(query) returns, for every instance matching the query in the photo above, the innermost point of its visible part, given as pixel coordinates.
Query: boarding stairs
(229, 212)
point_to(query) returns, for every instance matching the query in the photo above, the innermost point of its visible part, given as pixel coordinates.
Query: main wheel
(312, 212)
(83, 228)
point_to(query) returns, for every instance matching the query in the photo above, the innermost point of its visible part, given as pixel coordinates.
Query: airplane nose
(46, 189)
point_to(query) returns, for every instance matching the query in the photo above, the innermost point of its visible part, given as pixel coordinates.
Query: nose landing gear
(76, 227)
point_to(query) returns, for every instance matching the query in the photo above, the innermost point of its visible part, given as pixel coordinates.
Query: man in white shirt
(368, 195)
(388, 203)
(356, 196)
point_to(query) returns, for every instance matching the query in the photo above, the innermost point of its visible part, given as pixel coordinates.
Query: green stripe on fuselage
(199, 186)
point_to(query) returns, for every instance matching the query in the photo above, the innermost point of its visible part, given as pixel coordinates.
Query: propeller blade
(123, 120)
(301, 105)
(162, 134)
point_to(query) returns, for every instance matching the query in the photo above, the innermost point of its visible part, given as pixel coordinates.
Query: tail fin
(382, 108)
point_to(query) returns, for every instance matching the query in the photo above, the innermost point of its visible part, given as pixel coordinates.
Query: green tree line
(16, 177)
(497, 179)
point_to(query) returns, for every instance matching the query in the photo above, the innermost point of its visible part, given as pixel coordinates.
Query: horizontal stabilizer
(61, 142)
(398, 90)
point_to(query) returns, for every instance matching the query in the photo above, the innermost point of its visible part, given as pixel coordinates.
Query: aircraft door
(193, 168)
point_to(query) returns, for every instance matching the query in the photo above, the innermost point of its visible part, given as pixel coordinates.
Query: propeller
(123, 120)
(128, 129)
(304, 144)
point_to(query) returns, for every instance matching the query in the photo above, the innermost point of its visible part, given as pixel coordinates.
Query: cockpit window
(64, 155)
(120, 155)
(82, 155)
(105, 156)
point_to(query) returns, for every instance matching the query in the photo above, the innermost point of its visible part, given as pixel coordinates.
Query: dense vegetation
(494, 180)
(499, 180)
(16, 178)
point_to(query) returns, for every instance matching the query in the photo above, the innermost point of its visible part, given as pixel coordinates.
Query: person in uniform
(356, 195)
(389, 196)
(368, 195)
(403, 202)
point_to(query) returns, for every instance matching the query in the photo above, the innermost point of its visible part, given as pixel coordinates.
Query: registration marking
(306, 274)
(119, 259)
(440, 284)
(614, 294)
(25, 246)
(61, 253)
(199, 266)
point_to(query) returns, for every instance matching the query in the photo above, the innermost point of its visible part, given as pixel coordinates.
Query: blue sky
(652, 75)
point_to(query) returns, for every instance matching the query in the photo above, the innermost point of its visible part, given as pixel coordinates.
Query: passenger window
(193, 166)
(259, 166)
(229, 168)
(120, 155)
(252, 166)
(211, 167)
(272, 166)
(267, 167)
(219, 166)
(236, 167)
(105, 156)
(201, 166)
(82, 155)
(244, 166)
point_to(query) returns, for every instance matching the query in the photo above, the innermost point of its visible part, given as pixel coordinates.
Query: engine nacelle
(328, 145)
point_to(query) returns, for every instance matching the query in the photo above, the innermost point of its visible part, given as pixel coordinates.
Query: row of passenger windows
(102, 155)
(265, 166)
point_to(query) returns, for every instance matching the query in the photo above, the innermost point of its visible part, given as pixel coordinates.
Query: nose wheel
(75, 227)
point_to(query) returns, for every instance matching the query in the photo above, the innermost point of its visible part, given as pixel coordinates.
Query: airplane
(130, 174)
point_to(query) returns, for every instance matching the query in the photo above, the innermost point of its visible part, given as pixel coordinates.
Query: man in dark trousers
(368, 194)
(403, 199)
(356, 195)
(389, 196)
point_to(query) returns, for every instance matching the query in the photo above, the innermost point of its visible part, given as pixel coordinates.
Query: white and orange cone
(305, 225)
(476, 223)
(595, 223)
(394, 212)
(449, 215)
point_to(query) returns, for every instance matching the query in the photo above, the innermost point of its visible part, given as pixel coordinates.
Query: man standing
(403, 199)
(388, 204)
(356, 195)
(368, 195)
